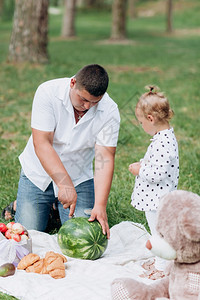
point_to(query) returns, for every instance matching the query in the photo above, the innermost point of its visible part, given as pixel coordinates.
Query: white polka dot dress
(159, 171)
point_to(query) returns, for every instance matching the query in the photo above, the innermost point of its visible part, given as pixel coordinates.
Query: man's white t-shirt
(74, 143)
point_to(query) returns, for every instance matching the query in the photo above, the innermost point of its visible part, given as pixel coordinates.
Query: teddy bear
(178, 226)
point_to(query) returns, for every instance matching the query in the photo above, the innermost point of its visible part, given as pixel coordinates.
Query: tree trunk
(119, 20)
(1, 7)
(29, 37)
(169, 16)
(68, 27)
(93, 3)
(80, 3)
(90, 3)
(132, 9)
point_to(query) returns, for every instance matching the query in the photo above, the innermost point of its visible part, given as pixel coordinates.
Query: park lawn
(149, 56)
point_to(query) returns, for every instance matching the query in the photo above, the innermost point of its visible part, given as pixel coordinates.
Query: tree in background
(1, 7)
(68, 25)
(29, 38)
(169, 16)
(80, 3)
(118, 30)
(94, 3)
(132, 9)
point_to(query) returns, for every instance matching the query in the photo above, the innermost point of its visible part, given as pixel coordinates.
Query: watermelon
(82, 239)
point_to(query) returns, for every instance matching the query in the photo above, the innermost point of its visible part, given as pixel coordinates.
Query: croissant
(57, 273)
(50, 255)
(52, 264)
(36, 267)
(27, 261)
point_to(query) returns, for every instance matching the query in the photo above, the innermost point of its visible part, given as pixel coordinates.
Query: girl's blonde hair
(156, 104)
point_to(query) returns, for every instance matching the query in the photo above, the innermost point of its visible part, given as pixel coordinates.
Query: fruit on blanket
(80, 238)
(7, 270)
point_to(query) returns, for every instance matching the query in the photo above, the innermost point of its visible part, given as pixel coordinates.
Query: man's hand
(101, 216)
(67, 196)
(135, 168)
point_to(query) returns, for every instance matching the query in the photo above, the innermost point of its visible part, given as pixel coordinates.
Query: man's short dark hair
(93, 78)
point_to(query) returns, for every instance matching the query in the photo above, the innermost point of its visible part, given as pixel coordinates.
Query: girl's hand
(135, 168)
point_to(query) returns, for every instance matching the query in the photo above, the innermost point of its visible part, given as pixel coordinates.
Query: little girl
(158, 172)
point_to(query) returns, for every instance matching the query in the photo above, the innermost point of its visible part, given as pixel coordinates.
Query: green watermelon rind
(79, 238)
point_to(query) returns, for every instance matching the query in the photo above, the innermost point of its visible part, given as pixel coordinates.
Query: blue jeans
(33, 205)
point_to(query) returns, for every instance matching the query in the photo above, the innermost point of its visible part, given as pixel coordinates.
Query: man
(73, 121)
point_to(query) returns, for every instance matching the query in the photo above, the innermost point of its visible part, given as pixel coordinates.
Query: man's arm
(43, 144)
(104, 168)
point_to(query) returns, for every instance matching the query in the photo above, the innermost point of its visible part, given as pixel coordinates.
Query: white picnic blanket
(84, 279)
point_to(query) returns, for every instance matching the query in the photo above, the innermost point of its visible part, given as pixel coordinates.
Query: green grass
(170, 61)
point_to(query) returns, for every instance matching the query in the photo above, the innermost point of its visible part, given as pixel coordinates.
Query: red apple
(17, 228)
(16, 237)
(8, 234)
(10, 225)
(3, 227)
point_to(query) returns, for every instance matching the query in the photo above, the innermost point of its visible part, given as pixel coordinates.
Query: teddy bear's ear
(189, 223)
